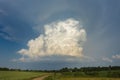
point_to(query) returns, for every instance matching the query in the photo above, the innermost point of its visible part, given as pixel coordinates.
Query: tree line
(84, 69)
(66, 69)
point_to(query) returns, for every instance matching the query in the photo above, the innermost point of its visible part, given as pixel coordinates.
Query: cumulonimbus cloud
(61, 38)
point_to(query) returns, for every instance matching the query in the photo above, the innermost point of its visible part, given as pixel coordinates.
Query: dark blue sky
(23, 20)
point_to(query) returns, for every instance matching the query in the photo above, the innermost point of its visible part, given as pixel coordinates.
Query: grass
(89, 79)
(17, 75)
(80, 78)
(89, 75)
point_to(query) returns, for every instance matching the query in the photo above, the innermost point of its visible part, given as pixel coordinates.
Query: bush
(114, 74)
(92, 73)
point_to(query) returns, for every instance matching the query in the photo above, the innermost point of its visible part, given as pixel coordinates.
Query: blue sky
(24, 20)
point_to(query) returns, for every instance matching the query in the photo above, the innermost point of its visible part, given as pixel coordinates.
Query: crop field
(80, 78)
(17, 75)
(52, 75)
(90, 79)
(89, 75)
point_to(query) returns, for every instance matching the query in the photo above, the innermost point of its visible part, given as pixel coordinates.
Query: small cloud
(6, 32)
(22, 59)
(7, 37)
(107, 59)
(117, 56)
(61, 38)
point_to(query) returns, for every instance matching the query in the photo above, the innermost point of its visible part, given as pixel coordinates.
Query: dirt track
(41, 78)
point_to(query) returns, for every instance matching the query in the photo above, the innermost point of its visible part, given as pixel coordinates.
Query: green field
(79, 75)
(80, 78)
(17, 75)
(89, 75)
(89, 79)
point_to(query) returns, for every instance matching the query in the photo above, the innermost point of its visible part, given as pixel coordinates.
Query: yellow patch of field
(90, 79)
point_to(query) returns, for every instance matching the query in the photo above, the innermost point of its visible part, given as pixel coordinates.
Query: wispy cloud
(107, 59)
(61, 38)
(7, 37)
(112, 58)
(7, 33)
(117, 56)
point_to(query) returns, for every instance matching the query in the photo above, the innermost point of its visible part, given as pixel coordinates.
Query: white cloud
(61, 38)
(107, 59)
(116, 56)
(22, 59)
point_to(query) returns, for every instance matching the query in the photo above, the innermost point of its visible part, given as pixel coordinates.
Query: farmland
(19, 75)
(90, 73)
(27, 75)
(82, 76)
(85, 73)
(90, 79)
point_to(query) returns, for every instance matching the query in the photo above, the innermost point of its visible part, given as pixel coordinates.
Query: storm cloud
(60, 38)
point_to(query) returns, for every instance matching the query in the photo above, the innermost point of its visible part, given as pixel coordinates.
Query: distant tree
(4, 69)
(75, 69)
(64, 69)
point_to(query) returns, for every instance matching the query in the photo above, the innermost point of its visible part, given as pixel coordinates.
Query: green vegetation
(84, 73)
(87, 73)
(89, 79)
(97, 75)
(111, 74)
(17, 75)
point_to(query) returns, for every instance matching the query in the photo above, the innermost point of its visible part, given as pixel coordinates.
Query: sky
(52, 34)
